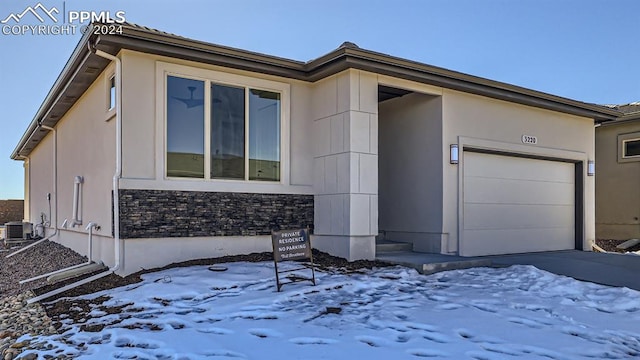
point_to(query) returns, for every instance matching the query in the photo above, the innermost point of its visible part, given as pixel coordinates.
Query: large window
(221, 131)
(185, 127)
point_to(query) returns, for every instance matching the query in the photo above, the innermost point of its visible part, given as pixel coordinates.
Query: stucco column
(345, 132)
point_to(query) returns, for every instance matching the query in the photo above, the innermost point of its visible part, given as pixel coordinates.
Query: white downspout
(55, 173)
(116, 183)
(118, 172)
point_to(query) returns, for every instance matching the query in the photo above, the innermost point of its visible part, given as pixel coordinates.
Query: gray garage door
(516, 205)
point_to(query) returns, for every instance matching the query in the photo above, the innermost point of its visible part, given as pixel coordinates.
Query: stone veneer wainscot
(163, 213)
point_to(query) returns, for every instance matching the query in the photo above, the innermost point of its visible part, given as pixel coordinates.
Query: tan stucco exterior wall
(143, 130)
(617, 185)
(40, 182)
(499, 125)
(85, 147)
(143, 153)
(345, 132)
(410, 166)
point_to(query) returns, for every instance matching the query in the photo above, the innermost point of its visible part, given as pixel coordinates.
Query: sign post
(289, 245)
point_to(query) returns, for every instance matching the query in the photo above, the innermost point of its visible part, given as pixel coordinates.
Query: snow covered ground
(391, 313)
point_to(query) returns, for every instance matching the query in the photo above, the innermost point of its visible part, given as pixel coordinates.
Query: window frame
(622, 140)
(209, 77)
(624, 148)
(110, 76)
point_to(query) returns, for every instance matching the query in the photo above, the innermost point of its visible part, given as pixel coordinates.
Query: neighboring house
(11, 210)
(207, 149)
(618, 176)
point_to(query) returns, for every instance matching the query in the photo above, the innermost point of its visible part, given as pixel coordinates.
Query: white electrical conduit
(116, 184)
(90, 227)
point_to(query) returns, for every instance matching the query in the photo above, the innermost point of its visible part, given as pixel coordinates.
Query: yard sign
(292, 245)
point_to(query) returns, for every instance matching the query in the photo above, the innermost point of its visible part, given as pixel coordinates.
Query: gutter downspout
(116, 183)
(118, 171)
(55, 171)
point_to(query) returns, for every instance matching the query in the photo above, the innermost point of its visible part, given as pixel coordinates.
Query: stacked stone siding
(11, 210)
(163, 213)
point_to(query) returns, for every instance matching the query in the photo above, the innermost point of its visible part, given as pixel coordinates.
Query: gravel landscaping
(610, 246)
(45, 257)
(16, 317)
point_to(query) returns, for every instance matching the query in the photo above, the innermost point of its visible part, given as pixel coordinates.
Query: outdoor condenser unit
(13, 230)
(27, 231)
(17, 230)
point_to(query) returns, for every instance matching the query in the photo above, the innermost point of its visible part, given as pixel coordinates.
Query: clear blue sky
(581, 49)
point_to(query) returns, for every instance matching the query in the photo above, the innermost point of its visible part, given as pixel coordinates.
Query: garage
(515, 204)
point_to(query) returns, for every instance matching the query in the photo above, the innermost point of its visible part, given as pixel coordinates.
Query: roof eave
(354, 57)
(159, 43)
(410, 70)
(71, 67)
(626, 119)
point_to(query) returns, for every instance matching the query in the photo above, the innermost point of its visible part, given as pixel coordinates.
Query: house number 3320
(529, 139)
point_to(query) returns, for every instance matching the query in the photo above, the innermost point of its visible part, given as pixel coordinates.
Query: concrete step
(385, 246)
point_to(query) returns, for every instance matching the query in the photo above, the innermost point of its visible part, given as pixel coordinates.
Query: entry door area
(516, 205)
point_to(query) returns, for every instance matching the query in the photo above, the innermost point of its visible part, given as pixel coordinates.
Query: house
(11, 210)
(618, 179)
(206, 149)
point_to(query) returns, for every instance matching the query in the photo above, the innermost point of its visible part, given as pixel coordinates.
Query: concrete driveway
(601, 268)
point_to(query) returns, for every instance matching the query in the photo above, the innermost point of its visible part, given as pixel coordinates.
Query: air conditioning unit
(13, 230)
(27, 231)
(17, 231)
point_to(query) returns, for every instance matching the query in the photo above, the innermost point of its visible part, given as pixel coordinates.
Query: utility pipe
(55, 173)
(90, 228)
(55, 232)
(28, 175)
(116, 184)
(77, 183)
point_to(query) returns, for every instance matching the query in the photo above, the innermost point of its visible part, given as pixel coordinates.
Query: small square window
(631, 148)
(112, 93)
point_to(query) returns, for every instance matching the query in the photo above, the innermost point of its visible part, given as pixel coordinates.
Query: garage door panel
(509, 167)
(512, 191)
(516, 205)
(492, 242)
(523, 216)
